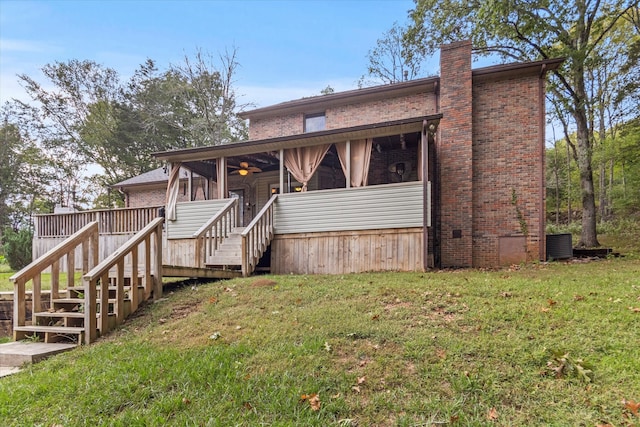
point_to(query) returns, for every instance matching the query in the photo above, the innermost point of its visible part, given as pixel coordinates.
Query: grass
(467, 347)
(7, 285)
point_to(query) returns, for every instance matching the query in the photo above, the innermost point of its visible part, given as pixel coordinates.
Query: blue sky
(286, 49)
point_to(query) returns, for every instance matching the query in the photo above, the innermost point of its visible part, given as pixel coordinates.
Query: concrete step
(17, 353)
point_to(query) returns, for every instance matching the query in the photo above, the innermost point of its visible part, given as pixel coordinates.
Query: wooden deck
(199, 272)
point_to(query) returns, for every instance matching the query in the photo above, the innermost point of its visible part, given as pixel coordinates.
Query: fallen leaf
(454, 419)
(361, 380)
(492, 415)
(375, 317)
(604, 425)
(578, 298)
(632, 406)
(247, 406)
(551, 302)
(213, 300)
(327, 347)
(441, 353)
(356, 388)
(544, 309)
(336, 396)
(635, 309)
(162, 321)
(314, 402)
(186, 401)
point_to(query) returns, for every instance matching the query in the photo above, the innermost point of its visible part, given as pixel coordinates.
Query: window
(314, 122)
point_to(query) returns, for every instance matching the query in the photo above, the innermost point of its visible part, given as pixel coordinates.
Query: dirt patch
(261, 283)
(184, 310)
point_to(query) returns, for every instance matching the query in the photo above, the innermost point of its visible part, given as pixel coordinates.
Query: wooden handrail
(257, 236)
(211, 235)
(45, 261)
(100, 273)
(207, 225)
(111, 221)
(260, 214)
(87, 237)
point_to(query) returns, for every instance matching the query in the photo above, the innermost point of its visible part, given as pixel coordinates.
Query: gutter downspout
(542, 250)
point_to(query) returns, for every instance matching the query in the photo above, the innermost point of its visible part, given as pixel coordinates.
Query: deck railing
(87, 237)
(257, 236)
(210, 236)
(112, 221)
(152, 279)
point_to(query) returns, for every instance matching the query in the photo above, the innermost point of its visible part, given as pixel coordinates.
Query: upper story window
(314, 122)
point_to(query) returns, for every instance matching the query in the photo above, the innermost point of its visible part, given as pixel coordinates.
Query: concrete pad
(17, 353)
(8, 371)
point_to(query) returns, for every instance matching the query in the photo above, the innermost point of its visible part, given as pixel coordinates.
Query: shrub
(17, 247)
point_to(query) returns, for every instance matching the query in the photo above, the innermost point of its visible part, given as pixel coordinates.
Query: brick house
(150, 188)
(444, 171)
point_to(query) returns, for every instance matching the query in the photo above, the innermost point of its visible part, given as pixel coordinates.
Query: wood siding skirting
(348, 251)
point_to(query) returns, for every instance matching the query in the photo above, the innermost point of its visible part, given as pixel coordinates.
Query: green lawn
(7, 285)
(465, 347)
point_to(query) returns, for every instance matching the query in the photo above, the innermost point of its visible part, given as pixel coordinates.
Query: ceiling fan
(244, 169)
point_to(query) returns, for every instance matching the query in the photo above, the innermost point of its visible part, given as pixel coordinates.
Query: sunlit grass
(464, 347)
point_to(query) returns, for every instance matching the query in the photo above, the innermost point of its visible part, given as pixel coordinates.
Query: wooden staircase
(220, 244)
(108, 294)
(64, 320)
(229, 252)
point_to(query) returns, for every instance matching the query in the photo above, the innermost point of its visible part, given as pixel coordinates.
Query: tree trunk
(588, 236)
(569, 210)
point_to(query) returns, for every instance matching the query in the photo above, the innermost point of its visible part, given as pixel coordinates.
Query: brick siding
(454, 151)
(507, 165)
(348, 115)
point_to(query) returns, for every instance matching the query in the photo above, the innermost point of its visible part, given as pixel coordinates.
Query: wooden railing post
(256, 237)
(34, 270)
(157, 271)
(100, 273)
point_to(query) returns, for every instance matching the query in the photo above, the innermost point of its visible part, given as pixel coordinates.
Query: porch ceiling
(257, 147)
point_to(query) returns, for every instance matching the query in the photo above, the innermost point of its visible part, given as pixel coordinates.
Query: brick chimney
(454, 150)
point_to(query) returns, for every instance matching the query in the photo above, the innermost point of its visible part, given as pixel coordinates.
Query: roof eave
(501, 71)
(309, 139)
(322, 102)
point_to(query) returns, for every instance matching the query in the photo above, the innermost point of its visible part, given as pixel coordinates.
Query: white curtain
(173, 188)
(303, 162)
(360, 158)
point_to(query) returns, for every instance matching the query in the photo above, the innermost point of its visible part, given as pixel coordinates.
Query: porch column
(221, 169)
(426, 194)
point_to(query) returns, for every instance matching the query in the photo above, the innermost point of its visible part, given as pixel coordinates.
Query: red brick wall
(155, 196)
(454, 151)
(350, 115)
(507, 162)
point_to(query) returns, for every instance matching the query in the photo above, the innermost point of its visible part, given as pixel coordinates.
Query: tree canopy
(583, 32)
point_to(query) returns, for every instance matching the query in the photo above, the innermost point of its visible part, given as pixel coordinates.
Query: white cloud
(13, 45)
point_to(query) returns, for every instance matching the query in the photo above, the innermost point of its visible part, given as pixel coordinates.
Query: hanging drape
(302, 162)
(173, 187)
(360, 158)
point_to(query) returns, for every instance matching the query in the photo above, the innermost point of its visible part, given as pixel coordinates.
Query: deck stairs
(229, 253)
(65, 319)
